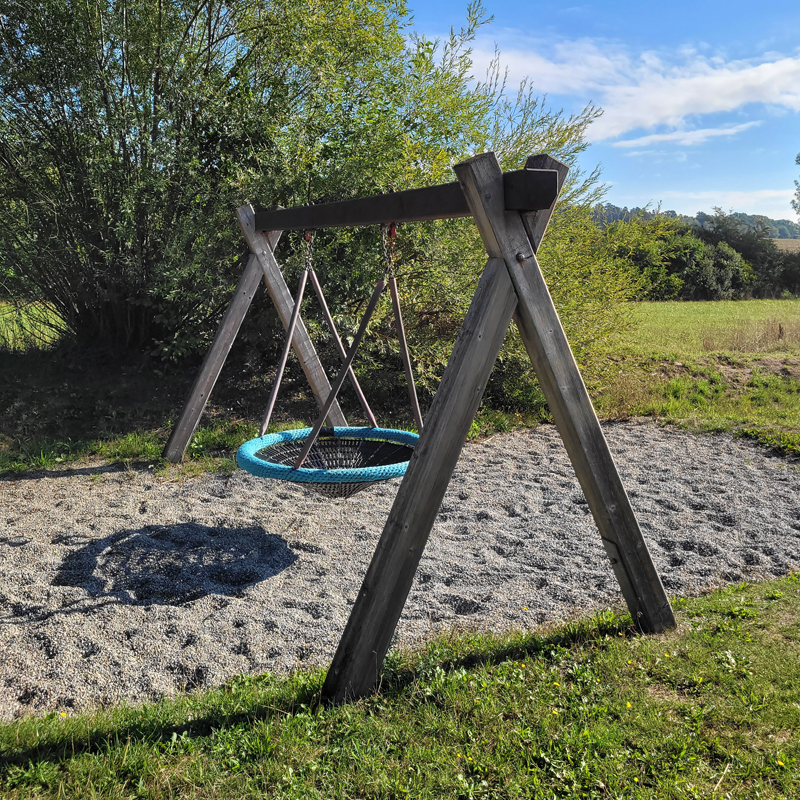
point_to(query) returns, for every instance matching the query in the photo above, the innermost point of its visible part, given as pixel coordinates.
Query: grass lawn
(722, 366)
(587, 710)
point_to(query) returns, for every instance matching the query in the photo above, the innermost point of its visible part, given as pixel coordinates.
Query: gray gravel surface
(119, 585)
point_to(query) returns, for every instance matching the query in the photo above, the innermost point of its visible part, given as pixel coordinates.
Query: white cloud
(774, 203)
(649, 89)
(687, 138)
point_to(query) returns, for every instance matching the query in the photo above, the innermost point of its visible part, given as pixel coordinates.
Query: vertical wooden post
(215, 359)
(284, 303)
(366, 638)
(504, 236)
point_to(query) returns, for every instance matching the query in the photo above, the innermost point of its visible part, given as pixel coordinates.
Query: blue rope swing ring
(341, 462)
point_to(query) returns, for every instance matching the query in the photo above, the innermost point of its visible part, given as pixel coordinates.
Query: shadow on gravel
(68, 472)
(172, 564)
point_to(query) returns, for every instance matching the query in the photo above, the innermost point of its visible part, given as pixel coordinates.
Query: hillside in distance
(778, 228)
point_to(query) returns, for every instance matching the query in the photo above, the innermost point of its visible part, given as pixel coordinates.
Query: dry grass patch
(788, 245)
(753, 336)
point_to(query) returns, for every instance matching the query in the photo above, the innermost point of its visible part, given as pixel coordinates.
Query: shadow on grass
(247, 699)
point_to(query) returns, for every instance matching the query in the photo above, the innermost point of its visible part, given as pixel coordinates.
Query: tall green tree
(130, 130)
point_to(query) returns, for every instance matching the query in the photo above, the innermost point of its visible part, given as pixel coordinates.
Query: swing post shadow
(511, 211)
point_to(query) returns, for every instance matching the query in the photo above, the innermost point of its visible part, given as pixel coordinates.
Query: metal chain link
(388, 234)
(309, 237)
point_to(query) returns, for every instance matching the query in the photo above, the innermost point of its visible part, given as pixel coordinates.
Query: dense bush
(130, 132)
(723, 259)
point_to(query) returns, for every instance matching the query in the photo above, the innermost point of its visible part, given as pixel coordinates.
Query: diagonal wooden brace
(356, 665)
(504, 236)
(284, 303)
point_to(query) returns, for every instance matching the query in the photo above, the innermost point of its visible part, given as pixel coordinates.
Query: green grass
(211, 449)
(723, 366)
(691, 329)
(28, 327)
(587, 710)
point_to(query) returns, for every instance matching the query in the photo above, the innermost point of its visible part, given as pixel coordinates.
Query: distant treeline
(777, 228)
(708, 257)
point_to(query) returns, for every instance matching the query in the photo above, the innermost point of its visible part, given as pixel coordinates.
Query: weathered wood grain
(284, 303)
(505, 237)
(214, 360)
(526, 189)
(536, 222)
(362, 648)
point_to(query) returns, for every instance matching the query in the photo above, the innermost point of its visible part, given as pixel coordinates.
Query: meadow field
(788, 245)
(27, 327)
(723, 366)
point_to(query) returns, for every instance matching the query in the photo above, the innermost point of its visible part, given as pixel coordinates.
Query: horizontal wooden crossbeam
(525, 190)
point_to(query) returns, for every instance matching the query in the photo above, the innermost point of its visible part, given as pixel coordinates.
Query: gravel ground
(118, 585)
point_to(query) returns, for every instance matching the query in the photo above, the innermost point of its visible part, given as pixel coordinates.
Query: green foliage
(773, 271)
(129, 132)
(715, 256)
(25, 326)
(674, 262)
(778, 228)
(606, 213)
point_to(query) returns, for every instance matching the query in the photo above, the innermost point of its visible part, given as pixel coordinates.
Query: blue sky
(701, 99)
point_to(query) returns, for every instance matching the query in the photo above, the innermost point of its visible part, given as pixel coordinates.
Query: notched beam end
(530, 189)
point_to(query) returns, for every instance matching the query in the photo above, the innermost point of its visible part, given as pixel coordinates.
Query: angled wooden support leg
(504, 236)
(284, 303)
(214, 360)
(363, 646)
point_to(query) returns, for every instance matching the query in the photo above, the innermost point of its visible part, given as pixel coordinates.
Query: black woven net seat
(341, 462)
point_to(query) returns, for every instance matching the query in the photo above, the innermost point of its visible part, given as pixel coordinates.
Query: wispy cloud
(775, 203)
(688, 138)
(650, 90)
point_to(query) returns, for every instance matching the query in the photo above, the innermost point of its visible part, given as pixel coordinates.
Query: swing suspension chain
(309, 237)
(388, 239)
(388, 236)
(309, 259)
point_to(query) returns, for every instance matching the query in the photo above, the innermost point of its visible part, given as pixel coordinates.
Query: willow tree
(130, 130)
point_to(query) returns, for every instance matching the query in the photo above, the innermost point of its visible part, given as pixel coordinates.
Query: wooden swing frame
(512, 211)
